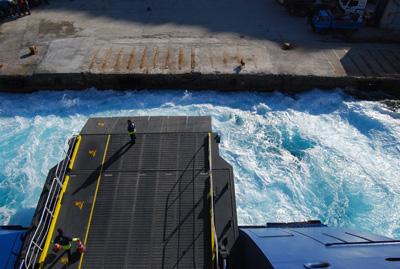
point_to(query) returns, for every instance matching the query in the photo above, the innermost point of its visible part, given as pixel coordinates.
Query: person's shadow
(53, 259)
(94, 176)
(238, 69)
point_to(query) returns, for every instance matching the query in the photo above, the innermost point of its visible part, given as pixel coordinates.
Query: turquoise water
(315, 155)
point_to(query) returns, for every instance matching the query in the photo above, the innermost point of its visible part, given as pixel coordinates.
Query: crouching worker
(64, 241)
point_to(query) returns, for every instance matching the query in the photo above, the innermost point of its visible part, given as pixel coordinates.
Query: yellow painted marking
(64, 260)
(53, 224)
(78, 142)
(94, 200)
(119, 57)
(79, 204)
(143, 58)
(94, 59)
(211, 213)
(106, 59)
(131, 57)
(212, 234)
(155, 57)
(101, 124)
(180, 57)
(93, 152)
(192, 60)
(168, 58)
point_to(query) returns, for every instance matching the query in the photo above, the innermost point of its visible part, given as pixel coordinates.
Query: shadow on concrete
(26, 56)
(254, 19)
(244, 20)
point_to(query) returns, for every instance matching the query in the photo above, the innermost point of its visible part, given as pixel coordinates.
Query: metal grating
(146, 125)
(171, 151)
(152, 207)
(153, 219)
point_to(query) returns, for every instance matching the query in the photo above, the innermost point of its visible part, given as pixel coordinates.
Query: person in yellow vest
(131, 131)
(64, 241)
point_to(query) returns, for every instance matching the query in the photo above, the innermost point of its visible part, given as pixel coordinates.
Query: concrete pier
(174, 44)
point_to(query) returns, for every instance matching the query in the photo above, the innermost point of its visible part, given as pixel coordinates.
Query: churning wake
(316, 155)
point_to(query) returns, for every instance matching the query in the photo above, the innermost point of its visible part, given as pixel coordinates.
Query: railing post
(41, 229)
(212, 201)
(50, 212)
(58, 181)
(37, 246)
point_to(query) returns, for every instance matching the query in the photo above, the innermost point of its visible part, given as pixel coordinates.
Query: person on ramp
(131, 131)
(64, 241)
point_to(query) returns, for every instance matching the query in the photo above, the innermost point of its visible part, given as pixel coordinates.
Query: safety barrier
(40, 235)
(214, 238)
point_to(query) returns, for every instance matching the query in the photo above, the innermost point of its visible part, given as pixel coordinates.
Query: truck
(325, 21)
(306, 7)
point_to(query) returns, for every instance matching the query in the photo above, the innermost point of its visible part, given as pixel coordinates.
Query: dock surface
(144, 205)
(175, 44)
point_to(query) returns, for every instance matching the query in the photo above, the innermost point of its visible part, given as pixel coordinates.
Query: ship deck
(144, 205)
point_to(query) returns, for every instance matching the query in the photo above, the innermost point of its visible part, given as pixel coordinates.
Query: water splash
(315, 155)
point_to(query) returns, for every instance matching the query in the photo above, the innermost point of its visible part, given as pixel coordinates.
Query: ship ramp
(148, 204)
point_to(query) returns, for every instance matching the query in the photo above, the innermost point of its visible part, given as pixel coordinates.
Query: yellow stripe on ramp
(94, 200)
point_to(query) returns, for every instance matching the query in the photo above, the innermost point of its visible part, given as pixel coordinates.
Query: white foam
(317, 155)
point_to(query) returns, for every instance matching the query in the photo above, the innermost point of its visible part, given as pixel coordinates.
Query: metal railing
(212, 202)
(40, 235)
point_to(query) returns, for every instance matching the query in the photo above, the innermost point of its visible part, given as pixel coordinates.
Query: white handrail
(212, 199)
(38, 238)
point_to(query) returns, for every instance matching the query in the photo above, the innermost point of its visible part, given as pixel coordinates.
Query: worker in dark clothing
(131, 131)
(64, 241)
(311, 13)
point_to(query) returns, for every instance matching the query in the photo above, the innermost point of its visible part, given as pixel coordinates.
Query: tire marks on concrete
(172, 59)
(165, 59)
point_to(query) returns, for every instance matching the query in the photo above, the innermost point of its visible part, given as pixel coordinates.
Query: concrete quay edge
(195, 81)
